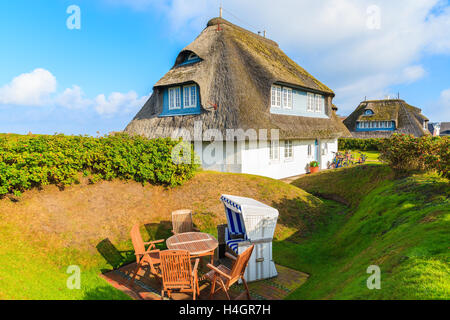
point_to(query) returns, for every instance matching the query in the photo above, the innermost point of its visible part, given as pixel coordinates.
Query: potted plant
(313, 167)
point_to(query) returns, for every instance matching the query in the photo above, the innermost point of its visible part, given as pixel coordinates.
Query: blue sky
(53, 79)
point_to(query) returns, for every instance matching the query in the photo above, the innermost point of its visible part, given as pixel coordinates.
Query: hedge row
(33, 161)
(407, 153)
(372, 144)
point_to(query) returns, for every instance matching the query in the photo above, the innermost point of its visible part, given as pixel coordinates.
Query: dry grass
(82, 215)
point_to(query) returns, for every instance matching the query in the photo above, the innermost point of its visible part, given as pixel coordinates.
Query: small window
(309, 150)
(310, 106)
(287, 98)
(190, 96)
(276, 97)
(174, 98)
(192, 56)
(274, 150)
(368, 112)
(288, 150)
(318, 103)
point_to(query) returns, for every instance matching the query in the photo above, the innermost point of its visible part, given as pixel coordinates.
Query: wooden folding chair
(149, 256)
(225, 277)
(182, 221)
(177, 273)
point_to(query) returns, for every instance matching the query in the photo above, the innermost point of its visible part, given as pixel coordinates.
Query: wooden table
(198, 244)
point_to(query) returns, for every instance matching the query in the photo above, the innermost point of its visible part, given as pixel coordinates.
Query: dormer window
(192, 56)
(368, 112)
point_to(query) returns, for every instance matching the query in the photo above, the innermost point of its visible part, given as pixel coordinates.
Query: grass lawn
(403, 226)
(88, 225)
(372, 156)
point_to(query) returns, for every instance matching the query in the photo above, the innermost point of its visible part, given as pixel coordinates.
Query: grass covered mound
(36, 161)
(88, 225)
(403, 226)
(347, 185)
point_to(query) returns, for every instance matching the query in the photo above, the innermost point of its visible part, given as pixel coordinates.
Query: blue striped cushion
(235, 223)
(233, 244)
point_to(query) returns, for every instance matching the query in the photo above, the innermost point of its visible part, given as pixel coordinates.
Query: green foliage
(402, 226)
(34, 161)
(372, 144)
(313, 164)
(407, 153)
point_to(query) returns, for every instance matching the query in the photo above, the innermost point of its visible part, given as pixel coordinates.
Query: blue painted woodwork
(182, 111)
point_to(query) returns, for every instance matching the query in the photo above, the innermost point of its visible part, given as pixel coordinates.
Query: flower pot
(313, 169)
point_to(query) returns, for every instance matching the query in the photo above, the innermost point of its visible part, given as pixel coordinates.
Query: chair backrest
(240, 264)
(182, 221)
(136, 239)
(176, 268)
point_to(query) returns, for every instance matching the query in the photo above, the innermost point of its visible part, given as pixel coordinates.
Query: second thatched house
(382, 118)
(232, 85)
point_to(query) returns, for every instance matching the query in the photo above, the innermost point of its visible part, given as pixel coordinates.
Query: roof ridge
(217, 21)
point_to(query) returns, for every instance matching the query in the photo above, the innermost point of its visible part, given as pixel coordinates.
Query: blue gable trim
(182, 111)
(190, 61)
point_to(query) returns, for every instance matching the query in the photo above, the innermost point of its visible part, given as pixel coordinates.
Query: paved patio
(147, 287)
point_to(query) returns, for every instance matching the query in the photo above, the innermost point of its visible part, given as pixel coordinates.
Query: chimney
(264, 33)
(220, 12)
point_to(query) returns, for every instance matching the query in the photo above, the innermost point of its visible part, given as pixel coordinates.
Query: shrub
(407, 153)
(35, 161)
(372, 144)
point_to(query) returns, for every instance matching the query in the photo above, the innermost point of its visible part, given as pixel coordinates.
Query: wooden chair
(182, 221)
(149, 257)
(226, 277)
(177, 272)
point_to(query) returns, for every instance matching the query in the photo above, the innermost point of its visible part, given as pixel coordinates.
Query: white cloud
(444, 106)
(331, 38)
(118, 102)
(38, 88)
(30, 89)
(73, 98)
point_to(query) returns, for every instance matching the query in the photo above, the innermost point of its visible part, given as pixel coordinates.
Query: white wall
(254, 158)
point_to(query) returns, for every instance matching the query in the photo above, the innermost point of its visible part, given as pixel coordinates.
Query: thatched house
(439, 128)
(231, 78)
(382, 118)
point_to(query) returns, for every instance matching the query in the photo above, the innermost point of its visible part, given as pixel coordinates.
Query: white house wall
(255, 159)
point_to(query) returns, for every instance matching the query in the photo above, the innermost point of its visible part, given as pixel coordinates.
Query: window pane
(273, 96)
(187, 101)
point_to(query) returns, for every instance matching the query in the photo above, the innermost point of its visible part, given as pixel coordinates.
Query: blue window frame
(375, 126)
(181, 100)
(368, 112)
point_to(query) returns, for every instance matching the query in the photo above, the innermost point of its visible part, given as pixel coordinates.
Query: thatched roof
(445, 129)
(408, 119)
(236, 72)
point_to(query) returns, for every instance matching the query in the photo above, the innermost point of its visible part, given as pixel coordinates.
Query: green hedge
(372, 144)
(33, 161)
(406, 153)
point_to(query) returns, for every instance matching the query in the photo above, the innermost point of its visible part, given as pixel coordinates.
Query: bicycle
(362, 158)
(337, 162)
